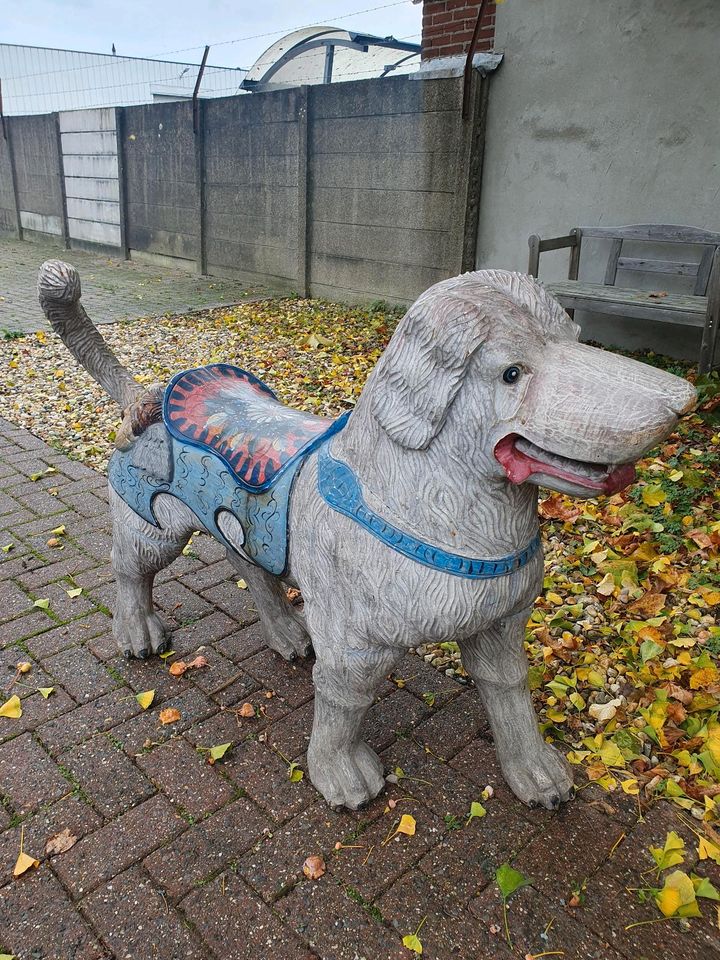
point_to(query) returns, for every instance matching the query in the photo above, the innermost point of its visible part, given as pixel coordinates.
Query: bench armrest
(538, 246)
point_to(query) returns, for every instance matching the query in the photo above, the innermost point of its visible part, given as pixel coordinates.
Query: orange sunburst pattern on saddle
(238, 417)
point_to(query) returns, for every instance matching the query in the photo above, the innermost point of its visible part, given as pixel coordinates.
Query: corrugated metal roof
(43, 80)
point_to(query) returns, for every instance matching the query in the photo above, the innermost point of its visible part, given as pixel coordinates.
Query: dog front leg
(535, 771)
(346, 771)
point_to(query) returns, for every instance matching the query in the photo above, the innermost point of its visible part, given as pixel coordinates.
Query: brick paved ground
(179, 860)
(112, 289)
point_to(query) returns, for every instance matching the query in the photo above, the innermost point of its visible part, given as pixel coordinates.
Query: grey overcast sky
(156, 27)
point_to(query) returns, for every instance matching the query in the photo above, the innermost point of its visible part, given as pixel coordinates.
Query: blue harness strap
(339, 487)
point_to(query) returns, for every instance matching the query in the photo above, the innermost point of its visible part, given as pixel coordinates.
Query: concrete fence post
(303, 279)
(61, 175)
(122, 179)
(13, 176)
(199, 130)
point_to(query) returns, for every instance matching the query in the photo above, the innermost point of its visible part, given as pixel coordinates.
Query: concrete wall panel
(160, 176)
(602, 114)
(37, 166)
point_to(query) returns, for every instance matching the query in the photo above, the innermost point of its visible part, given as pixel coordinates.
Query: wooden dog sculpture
(412, 521)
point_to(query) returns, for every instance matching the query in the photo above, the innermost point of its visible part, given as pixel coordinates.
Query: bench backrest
(657, 233)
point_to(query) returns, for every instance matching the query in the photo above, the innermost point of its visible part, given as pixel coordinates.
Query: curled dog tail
(59, 294)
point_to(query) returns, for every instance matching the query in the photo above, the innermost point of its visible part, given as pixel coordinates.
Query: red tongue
(519, 466)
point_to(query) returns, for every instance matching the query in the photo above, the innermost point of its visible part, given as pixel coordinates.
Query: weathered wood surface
(675, 308)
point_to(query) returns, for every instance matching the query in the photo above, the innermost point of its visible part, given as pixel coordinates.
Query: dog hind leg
(284, 626)
(139, 552)
(535, 771)
(346, 771)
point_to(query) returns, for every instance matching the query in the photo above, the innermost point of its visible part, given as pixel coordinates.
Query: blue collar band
(339, 487)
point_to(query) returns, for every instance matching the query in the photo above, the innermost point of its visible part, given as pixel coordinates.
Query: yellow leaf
(412, 941)
(610, 755)
(42, 603)
(606, 586)
(677, 897)
(707, 850)
(24, 667)
(11, 708)
(45, 691)
(653, 495)
(217, 753)
(406, 825)
(75, 592)
(554, 598)
(59, 531)
(23, 863)
(631, 787)
(145, 699)
(242, 585)
(704, 677)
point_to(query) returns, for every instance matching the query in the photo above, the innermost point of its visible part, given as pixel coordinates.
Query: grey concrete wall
(37, 170)
(252, 187)
(353, 190)
(383, 187)
(160, 180)
(601, 114)
(90, 163)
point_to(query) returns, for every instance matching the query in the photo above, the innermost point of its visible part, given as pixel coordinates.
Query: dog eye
(511, 375)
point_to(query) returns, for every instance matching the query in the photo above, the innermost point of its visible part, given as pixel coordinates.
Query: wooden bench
(700, 309)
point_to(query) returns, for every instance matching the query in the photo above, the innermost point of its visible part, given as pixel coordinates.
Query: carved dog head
(490, 362)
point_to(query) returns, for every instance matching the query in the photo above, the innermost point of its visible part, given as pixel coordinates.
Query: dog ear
(423, 367)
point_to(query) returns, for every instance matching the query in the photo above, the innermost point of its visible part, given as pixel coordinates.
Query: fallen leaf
(648, 606)
(169, 715)
(45, 691)
(295, 774)
(197, 663)
(11, 708)
(178, 668)
(42, 603)
(653, 495)
(60, 842)
(145, 698)
(602, 712)
(509, 880)
(242, 585)
(406, 825)
(677, 897)
(314, 868)
(413, 942)
(247, 710)
(217, 753)
(476, 810)
(671, 854)
(24, 862)
(24, 667)
(75, 592)
(59, 531)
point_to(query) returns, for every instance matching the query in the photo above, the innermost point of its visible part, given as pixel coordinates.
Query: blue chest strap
(339, 487)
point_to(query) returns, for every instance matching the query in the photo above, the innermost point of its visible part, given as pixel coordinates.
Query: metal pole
(467, 73)
(196, 91)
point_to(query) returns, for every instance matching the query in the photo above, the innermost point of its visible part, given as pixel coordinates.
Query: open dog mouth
(520, 459)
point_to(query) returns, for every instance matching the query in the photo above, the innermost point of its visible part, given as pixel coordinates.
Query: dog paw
(347, 779)
(139, 635)
(288, 636)
(542, 780)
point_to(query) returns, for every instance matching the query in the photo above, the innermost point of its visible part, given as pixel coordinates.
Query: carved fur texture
(483, 394)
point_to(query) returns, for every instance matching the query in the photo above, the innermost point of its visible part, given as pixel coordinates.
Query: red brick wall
(448, 25)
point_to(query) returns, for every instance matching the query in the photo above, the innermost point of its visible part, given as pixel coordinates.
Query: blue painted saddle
(236, 451)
